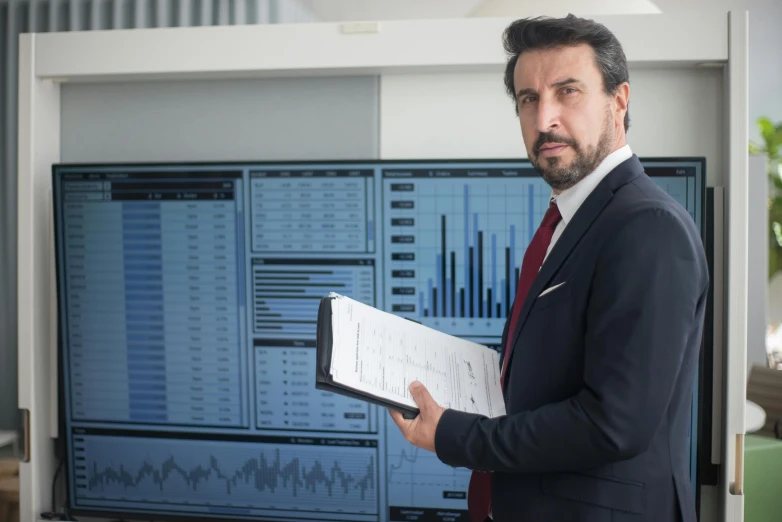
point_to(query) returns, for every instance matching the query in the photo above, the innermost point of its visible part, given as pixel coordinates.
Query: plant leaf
(768, 133)
(765, 127)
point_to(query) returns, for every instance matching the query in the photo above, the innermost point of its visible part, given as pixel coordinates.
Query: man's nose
(548, 115)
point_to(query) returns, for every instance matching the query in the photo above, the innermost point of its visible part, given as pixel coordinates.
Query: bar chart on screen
(455, 240)
(287, 292)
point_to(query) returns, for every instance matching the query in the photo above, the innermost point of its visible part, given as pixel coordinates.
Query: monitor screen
(187, 301)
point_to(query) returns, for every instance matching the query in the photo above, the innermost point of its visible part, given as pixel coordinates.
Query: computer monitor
(187, 302)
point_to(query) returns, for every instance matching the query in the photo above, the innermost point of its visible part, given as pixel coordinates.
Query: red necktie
(479, 492)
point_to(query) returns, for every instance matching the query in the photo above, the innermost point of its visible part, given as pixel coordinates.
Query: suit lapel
(575, 230)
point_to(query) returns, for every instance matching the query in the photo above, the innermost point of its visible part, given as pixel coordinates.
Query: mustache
(550, 137)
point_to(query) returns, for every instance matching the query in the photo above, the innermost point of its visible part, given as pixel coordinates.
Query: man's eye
(568, 90)
(528, 99)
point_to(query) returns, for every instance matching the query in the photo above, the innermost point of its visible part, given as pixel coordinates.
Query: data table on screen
(304, 211)
(152, 269)
(287, 397)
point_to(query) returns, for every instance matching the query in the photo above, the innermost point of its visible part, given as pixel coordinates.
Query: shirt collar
(571, 199)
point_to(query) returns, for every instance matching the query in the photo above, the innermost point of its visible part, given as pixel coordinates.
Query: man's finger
(400, 421)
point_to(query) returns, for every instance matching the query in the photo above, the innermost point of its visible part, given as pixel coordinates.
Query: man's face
(569, 124)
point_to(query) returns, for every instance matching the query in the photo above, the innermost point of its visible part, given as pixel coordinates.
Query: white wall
(765, 64)
(765, 51)
(221, 120)
(465, 115)
(673, 113)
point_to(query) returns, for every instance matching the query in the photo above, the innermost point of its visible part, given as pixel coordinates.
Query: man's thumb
(420, 394)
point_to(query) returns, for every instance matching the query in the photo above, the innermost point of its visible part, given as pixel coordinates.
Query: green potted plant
(771, 147)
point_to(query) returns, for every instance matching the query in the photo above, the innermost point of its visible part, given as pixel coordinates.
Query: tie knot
(552, 216)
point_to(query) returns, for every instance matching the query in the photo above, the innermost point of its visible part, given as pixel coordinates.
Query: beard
(562, 177)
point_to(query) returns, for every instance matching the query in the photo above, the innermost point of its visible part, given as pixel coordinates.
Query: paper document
(380, 354)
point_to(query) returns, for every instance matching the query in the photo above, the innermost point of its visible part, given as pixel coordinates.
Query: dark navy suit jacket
(599, 388)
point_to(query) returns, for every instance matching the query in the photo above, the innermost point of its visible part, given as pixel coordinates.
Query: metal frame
(47, 60)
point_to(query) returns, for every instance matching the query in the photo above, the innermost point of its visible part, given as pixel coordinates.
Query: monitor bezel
(702, 444)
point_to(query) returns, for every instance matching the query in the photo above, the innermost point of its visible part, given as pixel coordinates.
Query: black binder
(323, 379)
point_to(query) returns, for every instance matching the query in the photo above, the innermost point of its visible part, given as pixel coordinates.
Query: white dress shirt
(571, 199)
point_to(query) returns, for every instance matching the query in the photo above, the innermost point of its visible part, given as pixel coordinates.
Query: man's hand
(420, 431)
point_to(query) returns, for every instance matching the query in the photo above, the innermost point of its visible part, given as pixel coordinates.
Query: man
(601, 348)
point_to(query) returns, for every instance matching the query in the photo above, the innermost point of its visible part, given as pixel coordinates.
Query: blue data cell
(142, 357)
(137, 387)
(132, 236)
(143, 267)
(147, 246)
(128, 217)
(143, 278)
(135, 226)
(159, 398)
(131, 318)
(151, 307)
(131, 258)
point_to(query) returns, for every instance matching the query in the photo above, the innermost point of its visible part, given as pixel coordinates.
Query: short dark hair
(544, 33)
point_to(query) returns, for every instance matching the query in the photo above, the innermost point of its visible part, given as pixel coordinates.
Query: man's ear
(621, 101)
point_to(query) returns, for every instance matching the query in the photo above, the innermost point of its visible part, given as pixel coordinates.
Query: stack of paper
(373, 355)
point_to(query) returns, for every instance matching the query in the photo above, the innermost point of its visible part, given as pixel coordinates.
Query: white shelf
(325, 48)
